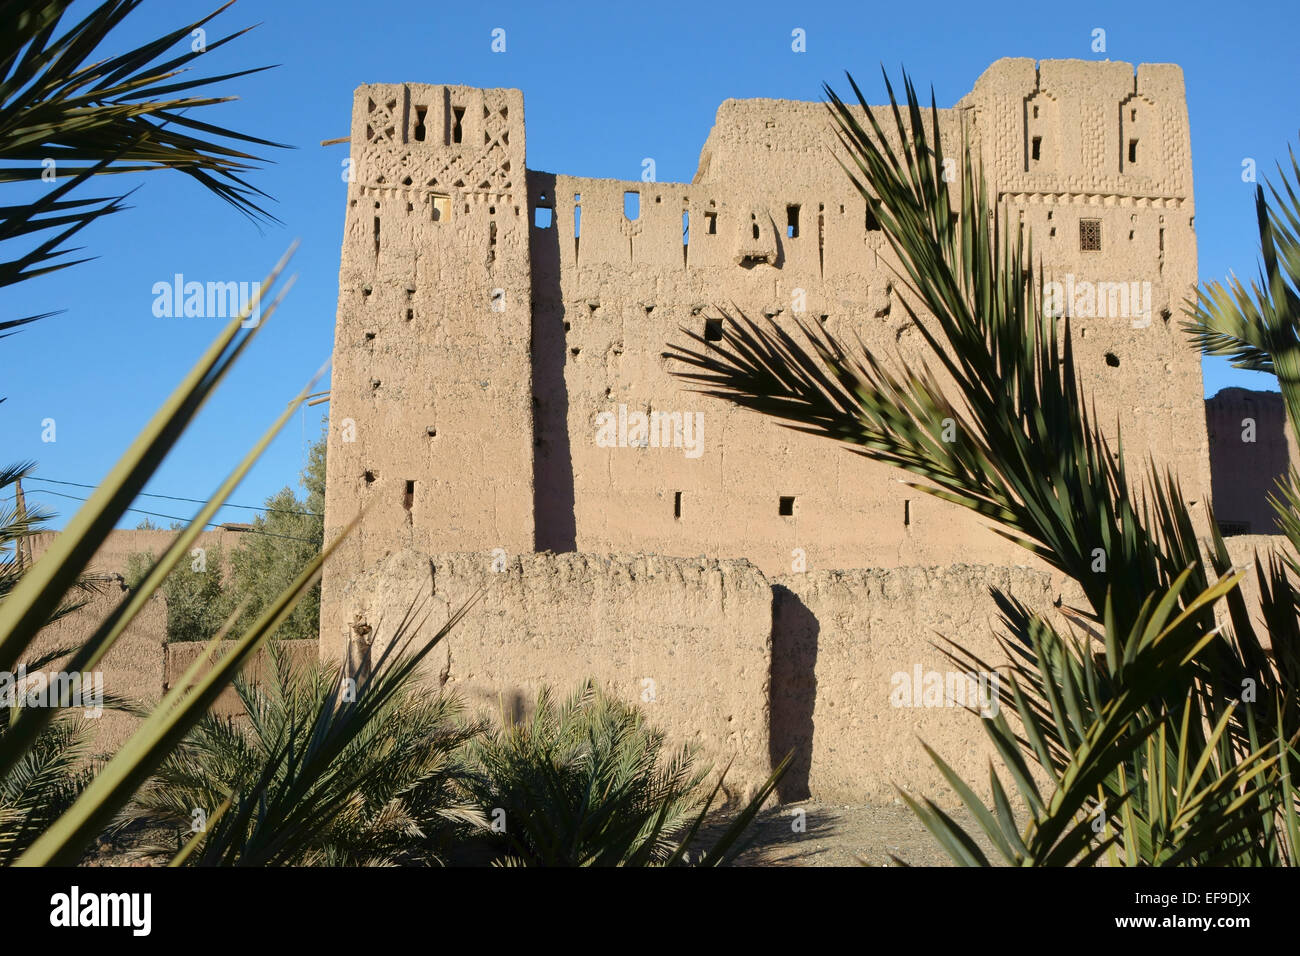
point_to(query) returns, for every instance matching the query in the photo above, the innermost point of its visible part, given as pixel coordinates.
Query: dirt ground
(844, 836)
(824, 835)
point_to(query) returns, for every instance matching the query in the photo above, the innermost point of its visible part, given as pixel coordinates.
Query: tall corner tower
(430, 407)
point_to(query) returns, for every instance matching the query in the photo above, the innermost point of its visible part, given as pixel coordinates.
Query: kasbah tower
(492, 317)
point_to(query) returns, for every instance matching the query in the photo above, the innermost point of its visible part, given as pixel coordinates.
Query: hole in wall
(418, 132)
(872, 223)
(677, 505)
(370, 477)
(785, 506)
(1133, 151)
(408, 496)
(631, 205)
(542, 217)
(457, 120)
(711, 223)
(792, 221)
(1036, 148)
(1112, 360)
(713, 330)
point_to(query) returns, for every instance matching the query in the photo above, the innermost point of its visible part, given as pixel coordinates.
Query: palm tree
(584, 782)
(311, 786)
(1136, 717)
(69, 113)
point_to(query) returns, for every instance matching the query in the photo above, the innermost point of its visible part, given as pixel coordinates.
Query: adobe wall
(180, 655)
(591, 290)
(838, 640)
(703, 645)
(141, 664)
(133, 669)
(687, 639)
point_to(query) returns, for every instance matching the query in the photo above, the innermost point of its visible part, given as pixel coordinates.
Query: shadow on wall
(1250, 451)
(555, 527)
(795, 630)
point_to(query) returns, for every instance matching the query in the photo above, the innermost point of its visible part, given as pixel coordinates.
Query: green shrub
(588, 783)
(317, 790)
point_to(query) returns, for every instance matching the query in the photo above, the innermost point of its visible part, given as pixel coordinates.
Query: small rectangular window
(1090, 235)
(711, 220)
(632, 205)
(542, 217)
(713, 330)
(408, 496)
(792, 222)
(785, 507)
(457, 119)
(441, 208)
(677, 505)
(1036, 148)
(418, 132)
(1132, 151)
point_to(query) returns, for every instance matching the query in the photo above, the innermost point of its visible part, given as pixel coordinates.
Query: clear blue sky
(605, 85)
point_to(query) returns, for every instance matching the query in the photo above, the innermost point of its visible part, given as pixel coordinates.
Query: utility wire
(154, 514)
(197, 501)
